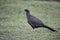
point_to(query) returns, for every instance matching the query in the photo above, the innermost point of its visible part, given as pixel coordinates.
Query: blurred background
(13, 22)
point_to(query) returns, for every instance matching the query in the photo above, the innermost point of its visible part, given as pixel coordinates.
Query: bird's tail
(50, 28)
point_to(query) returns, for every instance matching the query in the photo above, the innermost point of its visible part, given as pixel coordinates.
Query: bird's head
(26, 10)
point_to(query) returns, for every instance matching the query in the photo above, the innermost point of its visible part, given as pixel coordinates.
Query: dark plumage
(35, 22)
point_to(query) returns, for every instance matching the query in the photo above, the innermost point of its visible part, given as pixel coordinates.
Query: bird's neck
(27, 14)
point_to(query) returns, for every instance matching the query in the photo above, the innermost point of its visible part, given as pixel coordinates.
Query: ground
(13, 22)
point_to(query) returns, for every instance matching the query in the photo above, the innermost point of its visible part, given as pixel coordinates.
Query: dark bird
(35, 22)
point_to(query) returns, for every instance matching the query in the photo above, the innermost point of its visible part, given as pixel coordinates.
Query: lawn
(13, 22)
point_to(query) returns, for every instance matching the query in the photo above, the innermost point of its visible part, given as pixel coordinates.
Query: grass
(13, 22)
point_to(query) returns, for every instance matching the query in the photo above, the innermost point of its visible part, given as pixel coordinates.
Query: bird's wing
(35, 21)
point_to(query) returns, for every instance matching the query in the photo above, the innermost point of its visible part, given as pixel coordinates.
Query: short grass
(13, 22)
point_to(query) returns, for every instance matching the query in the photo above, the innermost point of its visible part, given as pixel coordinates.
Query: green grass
(13, 22)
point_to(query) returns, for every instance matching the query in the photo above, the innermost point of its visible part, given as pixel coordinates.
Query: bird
(34, 22)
